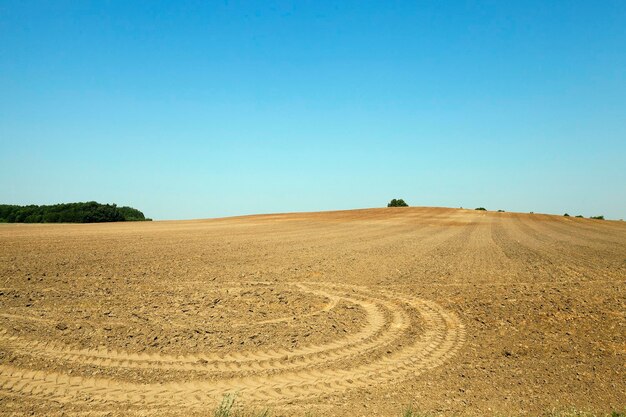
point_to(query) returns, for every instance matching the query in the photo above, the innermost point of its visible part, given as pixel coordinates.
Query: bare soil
(354, 313)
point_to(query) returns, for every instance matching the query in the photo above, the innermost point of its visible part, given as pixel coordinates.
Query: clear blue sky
(204, 109)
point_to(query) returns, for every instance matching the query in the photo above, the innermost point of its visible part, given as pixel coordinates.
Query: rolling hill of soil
(357, 312)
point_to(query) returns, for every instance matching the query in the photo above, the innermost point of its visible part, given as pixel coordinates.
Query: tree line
(88, 212)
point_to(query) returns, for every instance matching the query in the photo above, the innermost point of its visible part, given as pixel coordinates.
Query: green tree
(131, 214)
(89, 212)
(397, 203)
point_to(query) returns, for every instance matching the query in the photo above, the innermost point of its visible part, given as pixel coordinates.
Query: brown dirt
(340, 313)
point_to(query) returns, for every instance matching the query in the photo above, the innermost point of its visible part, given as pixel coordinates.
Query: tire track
(442, 337)
(368, 338)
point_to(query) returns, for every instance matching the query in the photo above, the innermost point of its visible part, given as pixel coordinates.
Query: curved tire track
(295, 375)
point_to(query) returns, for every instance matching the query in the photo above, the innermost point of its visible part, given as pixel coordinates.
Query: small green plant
(412, 412)
(580, 216)
(481, 208)
(227, 409)
(500, 211)
(397, 203)
(597, 217)
(566, 215)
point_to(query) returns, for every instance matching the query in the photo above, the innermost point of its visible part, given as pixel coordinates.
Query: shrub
(397, 203)
(566, 215)
(597, 217)
(481, 208)
(580, 216)
(500, 211)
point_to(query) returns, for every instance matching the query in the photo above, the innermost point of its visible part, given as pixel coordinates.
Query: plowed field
(339, 313)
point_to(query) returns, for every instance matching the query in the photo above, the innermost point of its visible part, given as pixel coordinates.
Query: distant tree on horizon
(397, 203)
(87, 212)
